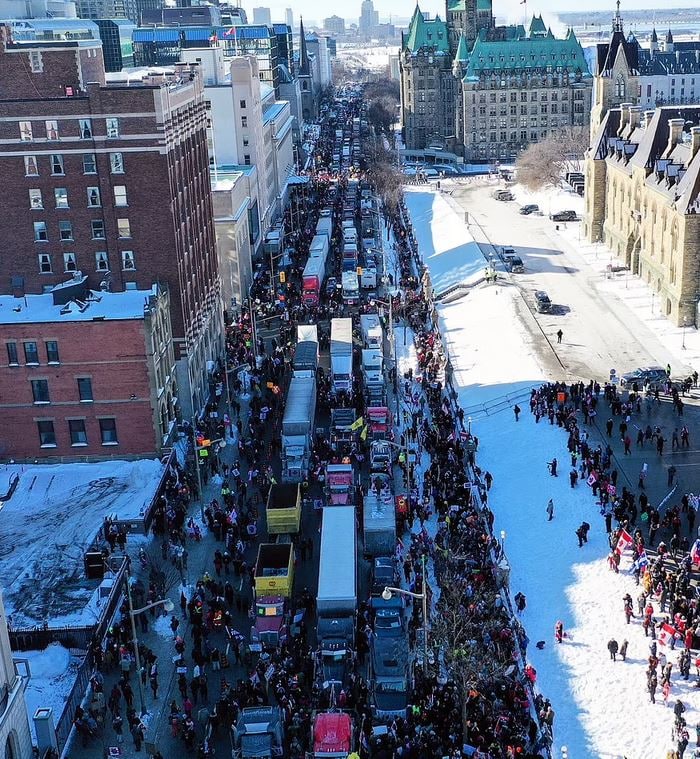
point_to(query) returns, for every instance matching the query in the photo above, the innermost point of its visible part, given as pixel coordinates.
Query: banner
(623, 542)
(667, 633)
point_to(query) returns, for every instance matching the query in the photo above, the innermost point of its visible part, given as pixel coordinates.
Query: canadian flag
(695, 552)
(623, 542)
(592, 477)
(668, 632)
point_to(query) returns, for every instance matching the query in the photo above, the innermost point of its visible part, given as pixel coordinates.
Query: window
(108, 431)
(25, 131)
(116, 161)
(242, 103)
(93, 196)
(57, 164)
(35, 201)
(69, 263)
(85, 389)
(51, 130)
(47, 435)
(40, 390)
(246, 159)
(61, 195)
(244, 122)
(30, 166)
(89, 163)
(128, 262)
(130, 286)
(52, 351)
(124, 228)
(112, 128)
(98, 229)
(101, 261)
(65, 230)
(245, 142)
(120, 195)
(78, 435)
(12, 359)
(31, 352)
(85, 127)
(45, 263)
(40, 232)
(35, 62)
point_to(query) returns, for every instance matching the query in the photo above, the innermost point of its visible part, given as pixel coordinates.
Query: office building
(334, 25)
(262, 16)
(369, 18)
(111, 179)
(289, 18)
(117, 43)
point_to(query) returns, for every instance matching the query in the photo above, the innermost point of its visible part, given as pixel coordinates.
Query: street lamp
(392, 340)
(503, 542)
(389, 591)
(168, 605)
(469, 425)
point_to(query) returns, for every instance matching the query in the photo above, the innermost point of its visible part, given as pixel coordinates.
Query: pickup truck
(258, 733)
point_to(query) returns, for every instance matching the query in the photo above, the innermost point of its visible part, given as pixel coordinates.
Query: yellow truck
(274, 570)
(283, 509)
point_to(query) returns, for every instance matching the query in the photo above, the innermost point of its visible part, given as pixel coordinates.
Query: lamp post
(469, 425)
(389, 591)
(503, 542)
(168, 605)
(392, 340)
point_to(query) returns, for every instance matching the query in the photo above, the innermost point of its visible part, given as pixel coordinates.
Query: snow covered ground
(45, 528)
(444, 240)
(53, 672)
(602, 707)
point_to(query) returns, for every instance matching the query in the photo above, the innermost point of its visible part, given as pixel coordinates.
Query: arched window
(620, 87)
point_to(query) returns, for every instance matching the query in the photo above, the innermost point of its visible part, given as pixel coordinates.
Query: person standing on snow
(553, 467)
(559, 631)
(516, 411)
(573, 477)
(550, 510)
(613, 648)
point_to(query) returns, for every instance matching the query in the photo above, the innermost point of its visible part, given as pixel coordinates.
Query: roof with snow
(95, 306)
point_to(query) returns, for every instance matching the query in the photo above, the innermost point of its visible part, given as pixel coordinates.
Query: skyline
(511, 10)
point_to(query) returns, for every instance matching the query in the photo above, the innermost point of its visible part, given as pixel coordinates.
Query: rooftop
(55, 512)
(98, 306)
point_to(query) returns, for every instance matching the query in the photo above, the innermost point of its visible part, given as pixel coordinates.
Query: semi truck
(372, 366)
(259, 733)
(273, 584)
(305, 356)
(325, 226)
(371, 328)
(298, 426)
(312, 280)
(336, 599)
(340, 484)
(332, 735)
(379, 518)
(341, 355)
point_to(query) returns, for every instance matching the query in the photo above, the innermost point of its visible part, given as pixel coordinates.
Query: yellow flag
(363, 434)
(357, 424)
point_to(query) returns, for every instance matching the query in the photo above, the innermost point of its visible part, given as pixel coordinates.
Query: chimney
(648, 116)
(624, 117)
(635, 117)
(675, 130)
(695, 140)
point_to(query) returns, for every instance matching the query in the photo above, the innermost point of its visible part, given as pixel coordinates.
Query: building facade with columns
(643, 198)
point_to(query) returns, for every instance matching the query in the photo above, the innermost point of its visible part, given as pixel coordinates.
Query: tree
(385, 175)
(548, 161)
(464, 615)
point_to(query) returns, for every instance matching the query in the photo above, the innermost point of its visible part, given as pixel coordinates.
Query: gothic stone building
(643, 197)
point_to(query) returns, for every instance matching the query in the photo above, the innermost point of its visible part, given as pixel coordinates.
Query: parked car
(542, 302)
(651, 375)
(564, 216)
(503, 195)
(388, 623)
(383, 574)
(529, 208)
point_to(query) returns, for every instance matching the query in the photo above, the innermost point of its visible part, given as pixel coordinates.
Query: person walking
(516, 411)
(671, 475)
(550, 510)
(560, 334)
(613, 648)
(137, 735)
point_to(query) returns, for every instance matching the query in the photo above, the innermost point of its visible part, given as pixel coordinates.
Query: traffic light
(283, 277)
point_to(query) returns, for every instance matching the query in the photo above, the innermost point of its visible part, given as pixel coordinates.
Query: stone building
(643, 197)
(519, 86)
(664, 73)
(428, 88)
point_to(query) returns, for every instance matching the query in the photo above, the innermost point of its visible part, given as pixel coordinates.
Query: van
(542, 302)
(515, 265)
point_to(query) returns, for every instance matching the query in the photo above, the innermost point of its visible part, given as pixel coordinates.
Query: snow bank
(444, 240)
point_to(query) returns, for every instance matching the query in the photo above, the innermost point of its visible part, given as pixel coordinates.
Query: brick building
(86, 374)
(110, 179)
(643, 200)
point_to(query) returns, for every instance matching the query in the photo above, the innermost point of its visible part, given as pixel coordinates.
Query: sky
(513, 10)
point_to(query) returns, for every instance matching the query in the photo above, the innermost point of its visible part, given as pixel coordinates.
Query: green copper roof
(524, 53)
(462, 52)
(537, 26)
(483, 5)
(426, 34)
(461, 5)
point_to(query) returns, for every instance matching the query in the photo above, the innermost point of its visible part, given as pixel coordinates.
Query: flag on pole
(695, 552)
(230, 32)
(642, 561)
(623, 542)
(363, 434)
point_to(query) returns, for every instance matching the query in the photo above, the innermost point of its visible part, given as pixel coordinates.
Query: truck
(368, 278)
(340, 484)
(379, 418)
(372, 366)
(305, 356)
(379, 518)
(283, 508)
(343, 435)
(389, 675)
(351, 256)
(371, 329)
(273, 584)
(312, 280)
(320, 245)
(341, 355)
(332, 735)
(259, 733)
(351, 288)
(336, 599)
(325, 226)
(298, 426)
(307, 332)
